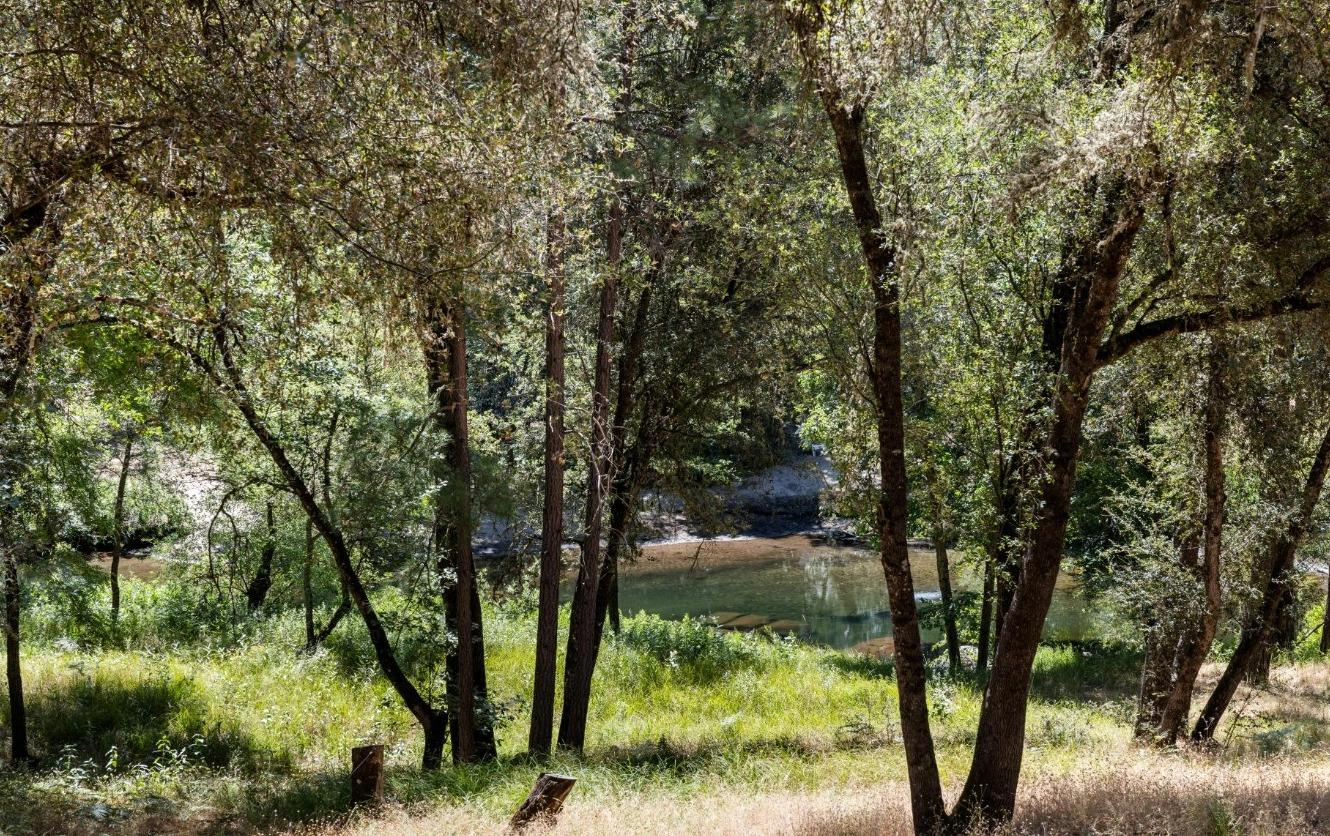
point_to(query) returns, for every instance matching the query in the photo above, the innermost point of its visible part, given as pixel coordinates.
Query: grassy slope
(254, 735)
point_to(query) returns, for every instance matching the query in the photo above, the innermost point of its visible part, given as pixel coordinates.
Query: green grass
(243, 728)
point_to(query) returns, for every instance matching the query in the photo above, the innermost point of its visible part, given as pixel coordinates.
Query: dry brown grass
(1134, 793)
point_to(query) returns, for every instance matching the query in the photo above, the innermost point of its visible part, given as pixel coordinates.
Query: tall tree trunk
(551, 524)
(1084, 293)
(622, 487)
(948, 605)
(579, 664)
(846, 119)
(257, 591)
(1259, 625)
(445, 359)
(583, 636)
(1195, 645)
(118, 524)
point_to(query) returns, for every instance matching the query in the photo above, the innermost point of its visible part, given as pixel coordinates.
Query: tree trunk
(579, 664)
(580, 659)
(948, 606)
(257, 591)
(623, 486)
(118, 524)
(18, 717)
(1258, 627)
(445, 359)
(1195, 646)
(1325, 617)
(551, 525)
(846, 119)
(1084, 293)
(986, 614)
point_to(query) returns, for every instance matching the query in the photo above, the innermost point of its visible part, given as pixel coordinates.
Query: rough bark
(846, 120)
(445, 360)
(1259, 625)
(118, 524)
(551, 525)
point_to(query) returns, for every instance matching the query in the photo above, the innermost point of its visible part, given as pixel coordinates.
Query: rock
(719, 618)
(880, 648)
(746, 622)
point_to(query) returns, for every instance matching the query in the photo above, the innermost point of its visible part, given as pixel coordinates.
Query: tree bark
(986, 614)
(551, 524)
(948, 605)
(118, 524)
(445, 359)
(1325, 617)
(579, 664)
(1195, 646)
(1258, 627)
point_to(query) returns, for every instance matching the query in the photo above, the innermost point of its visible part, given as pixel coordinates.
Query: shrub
(689, 645)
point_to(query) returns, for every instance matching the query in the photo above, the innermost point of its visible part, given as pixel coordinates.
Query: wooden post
(366, 775)
(545, 800)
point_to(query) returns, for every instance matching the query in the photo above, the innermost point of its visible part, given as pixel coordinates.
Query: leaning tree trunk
(1195, 645)
(1084, 294)
(445, 359)
(228, 378)
(1259, 626)
(551, 524)
(118, 524)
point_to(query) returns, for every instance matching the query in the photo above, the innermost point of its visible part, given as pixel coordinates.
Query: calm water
(836, 594)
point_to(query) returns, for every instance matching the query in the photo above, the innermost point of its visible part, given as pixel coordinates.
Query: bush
(689, 645)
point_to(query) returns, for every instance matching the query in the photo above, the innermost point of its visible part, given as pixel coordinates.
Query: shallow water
(836, 594)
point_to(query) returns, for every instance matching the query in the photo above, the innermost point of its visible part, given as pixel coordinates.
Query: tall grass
(229, 727)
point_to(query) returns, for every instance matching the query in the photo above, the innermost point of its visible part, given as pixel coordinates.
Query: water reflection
(830, 595)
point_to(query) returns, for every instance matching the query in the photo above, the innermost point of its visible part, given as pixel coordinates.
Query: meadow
(175, 720)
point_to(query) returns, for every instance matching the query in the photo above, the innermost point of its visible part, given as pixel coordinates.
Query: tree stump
(545, 800)
(366, 775)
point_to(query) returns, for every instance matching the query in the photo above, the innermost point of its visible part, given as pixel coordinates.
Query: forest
(665, 416)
